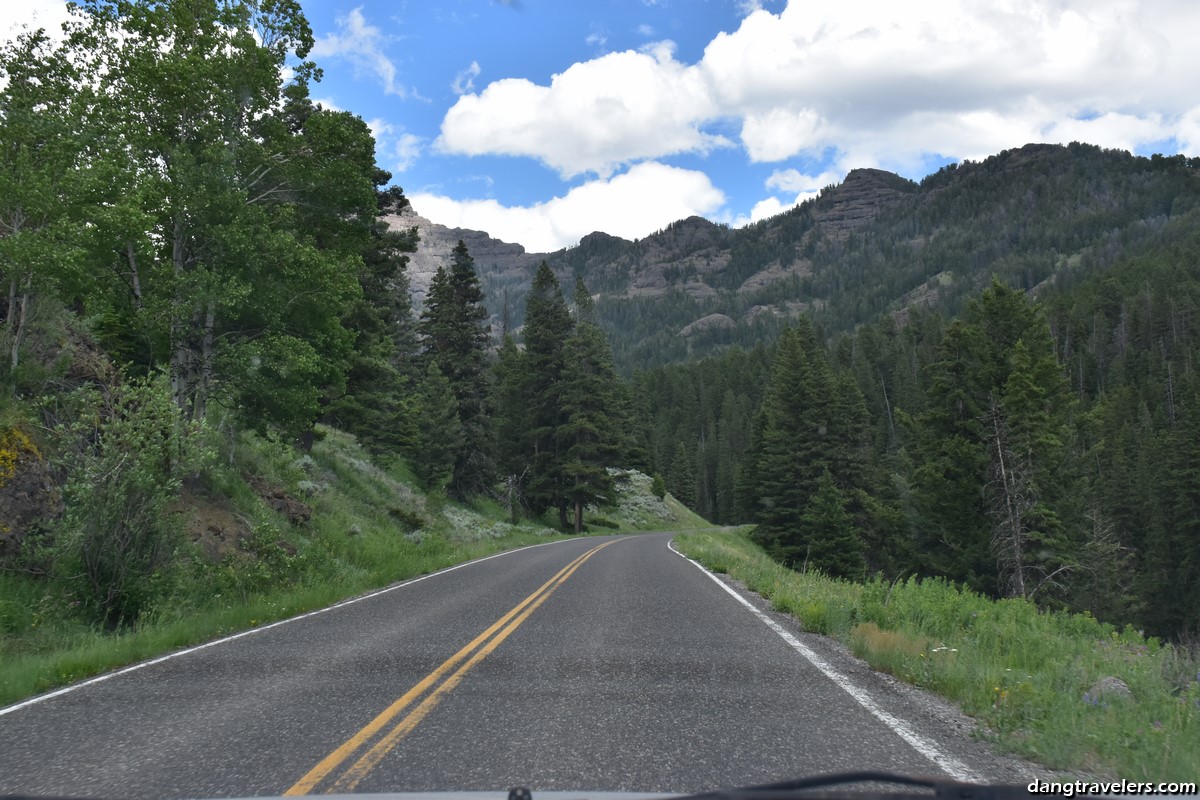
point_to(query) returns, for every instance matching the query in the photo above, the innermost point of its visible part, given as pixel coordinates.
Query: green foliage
(658, 488)
(127, 452)
(455, 336)
(437, 434)
(1027, 674)
(547, 327)
(590, 434)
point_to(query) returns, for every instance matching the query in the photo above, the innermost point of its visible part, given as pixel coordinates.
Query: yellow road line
(335, 759)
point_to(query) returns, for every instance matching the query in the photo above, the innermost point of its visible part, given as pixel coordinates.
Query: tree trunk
(562, 515)
(578, 516)
(135, 280)
(204, 384)
(16, 326)
(180, 388)
(1008, 537)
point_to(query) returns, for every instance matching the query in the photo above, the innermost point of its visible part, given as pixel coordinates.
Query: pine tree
(455, 334)
(435, 435)
(589, 434)
(379, 366)
(681, 480)
(788, 458)
(828, 539)
(547, 328)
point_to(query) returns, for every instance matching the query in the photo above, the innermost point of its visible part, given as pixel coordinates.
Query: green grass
(369, 528)
(1024, 673)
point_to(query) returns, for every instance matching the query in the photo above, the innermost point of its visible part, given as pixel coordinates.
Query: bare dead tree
(1009, 503)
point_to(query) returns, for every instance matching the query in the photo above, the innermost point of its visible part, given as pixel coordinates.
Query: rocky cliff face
(492, 256)
(861, 198)
(690, 254)
(693, 255)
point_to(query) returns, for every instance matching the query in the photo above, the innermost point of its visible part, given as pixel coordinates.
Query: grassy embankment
(369, 528)
(1025, 674)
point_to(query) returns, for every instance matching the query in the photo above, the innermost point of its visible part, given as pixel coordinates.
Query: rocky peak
(437, 243)
(863, 196)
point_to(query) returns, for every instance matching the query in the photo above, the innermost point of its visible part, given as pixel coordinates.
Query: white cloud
(593, 117)
(887, 83)
(779, 133)
(380, 128)
(465, 81)
(329, 105)
(797, 185)
(406, 151)
(47, 14)
(632, 204)
(792, 180)
(361, 44)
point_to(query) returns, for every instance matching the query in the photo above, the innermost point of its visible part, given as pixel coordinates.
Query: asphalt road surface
(600, 663)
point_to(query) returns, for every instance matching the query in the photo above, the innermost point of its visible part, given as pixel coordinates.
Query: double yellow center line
(384, 732)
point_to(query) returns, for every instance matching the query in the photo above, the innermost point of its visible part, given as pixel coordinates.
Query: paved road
(605, 663)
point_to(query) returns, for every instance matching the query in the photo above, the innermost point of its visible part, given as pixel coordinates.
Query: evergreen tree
(589, 435)
(828, 539)
(681, 480)
(547, 328)
(455, 334)
(435, 434)
(379, 366)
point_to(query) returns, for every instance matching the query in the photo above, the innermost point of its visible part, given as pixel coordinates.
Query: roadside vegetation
(1059, 688)
(305, 531)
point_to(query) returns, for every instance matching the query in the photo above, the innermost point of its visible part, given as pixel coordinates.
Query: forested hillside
(1036, 445)
(874, 244)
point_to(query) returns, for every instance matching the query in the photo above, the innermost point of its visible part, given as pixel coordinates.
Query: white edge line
(948, 764)
(177, 653)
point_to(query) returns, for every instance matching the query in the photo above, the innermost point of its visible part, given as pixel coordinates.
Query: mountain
(876, 243)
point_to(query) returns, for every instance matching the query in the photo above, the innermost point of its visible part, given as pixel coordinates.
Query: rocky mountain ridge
(686, 255)
(876, 243)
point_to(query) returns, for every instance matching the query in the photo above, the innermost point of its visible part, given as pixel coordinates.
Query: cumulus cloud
(883, 81)
(633, 204)
(594, 117)
(362, 45)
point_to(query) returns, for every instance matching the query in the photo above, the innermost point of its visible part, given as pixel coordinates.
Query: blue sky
(542, 120)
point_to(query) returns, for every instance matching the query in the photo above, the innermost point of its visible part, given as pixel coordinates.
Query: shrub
(126, 452)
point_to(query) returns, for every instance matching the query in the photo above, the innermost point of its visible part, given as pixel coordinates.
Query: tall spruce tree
(547, 327)
(435, 434)
(830, 541)
(589, 435)
(455, 335)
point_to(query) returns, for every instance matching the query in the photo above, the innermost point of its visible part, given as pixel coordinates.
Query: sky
(541, 121)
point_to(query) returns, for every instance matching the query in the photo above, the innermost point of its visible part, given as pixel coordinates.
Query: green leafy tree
(39, 186)
(239, 218)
